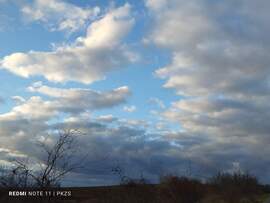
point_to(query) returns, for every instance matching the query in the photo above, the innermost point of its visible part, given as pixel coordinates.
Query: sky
(156, 86)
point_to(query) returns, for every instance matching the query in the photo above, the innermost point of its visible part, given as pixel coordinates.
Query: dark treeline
(235, 187)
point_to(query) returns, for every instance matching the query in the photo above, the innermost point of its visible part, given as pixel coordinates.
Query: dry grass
(222, 188)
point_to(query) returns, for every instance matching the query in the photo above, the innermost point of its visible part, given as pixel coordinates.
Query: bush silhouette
(181, 189)
(236, 187)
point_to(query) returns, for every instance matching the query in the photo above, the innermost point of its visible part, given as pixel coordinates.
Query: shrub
(181, 189)
(233, 188)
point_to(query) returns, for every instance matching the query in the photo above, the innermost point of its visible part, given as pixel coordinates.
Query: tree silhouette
(58, 162)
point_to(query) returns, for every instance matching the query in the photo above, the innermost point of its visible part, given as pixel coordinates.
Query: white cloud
(72, 101)
(86, 60)
(219, 65)
(43, 110)
(59, 15)
(210, 62)
(129, 109)
(18, 99)
(205, 41)
(77, 100)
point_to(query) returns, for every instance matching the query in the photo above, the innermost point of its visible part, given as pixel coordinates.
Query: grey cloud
(133, 149)
(104, 144)
(204, 46)
(79, 100)
(220, 58)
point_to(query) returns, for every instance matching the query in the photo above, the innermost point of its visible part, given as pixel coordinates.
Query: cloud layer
(219, 68)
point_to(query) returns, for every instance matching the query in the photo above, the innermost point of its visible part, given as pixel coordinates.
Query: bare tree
(15, 177)
(57, 163)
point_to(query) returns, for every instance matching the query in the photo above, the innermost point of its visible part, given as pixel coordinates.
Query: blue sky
(139, 77)
(181, 81)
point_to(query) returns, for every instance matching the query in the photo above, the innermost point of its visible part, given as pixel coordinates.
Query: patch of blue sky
(21, 36)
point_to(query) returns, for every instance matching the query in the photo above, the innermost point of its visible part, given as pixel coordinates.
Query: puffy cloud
(18, 99)
(219, 68)
(205, 40)
(72, 101)
(86, 60)
(31, 119)
(34, 108)
(59, 15)
(77, 100)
